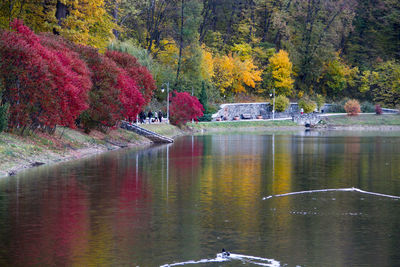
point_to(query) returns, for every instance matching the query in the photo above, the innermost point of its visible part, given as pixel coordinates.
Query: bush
(367, 107)
(378, 109)
(3, 117)
(281, 103)
(206, 117)
(307, 105)
(44, 85)
(352, 107)
(184, 108)
(320, 100)
(337, 107)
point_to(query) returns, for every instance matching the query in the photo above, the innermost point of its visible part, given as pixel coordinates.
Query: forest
(238, 50)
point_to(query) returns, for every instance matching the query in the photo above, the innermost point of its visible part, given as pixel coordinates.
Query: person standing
(160, 116)
(150, 115)
(155, 116)
(142, 117)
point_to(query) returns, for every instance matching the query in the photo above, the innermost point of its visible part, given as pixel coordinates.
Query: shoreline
(50, 157)
(75, 145)
(22, 153)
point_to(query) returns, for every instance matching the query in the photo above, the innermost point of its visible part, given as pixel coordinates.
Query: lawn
(363, 119)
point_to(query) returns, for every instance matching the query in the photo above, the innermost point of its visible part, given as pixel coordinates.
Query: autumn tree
(184, 108)
(383, 83)
(139, 73)
(114, 94)
(44, 86)
(280, 73)
(82, 21)
(336, 77)
(232, 75)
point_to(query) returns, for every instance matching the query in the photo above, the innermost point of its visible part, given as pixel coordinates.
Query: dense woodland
(239, 49)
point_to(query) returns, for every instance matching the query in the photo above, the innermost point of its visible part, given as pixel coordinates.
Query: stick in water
(352, 189)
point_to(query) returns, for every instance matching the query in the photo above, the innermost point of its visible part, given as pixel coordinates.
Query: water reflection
(186, 201)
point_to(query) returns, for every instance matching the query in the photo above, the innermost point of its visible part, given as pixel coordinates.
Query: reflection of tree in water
(132, 222)
(58, 226)
(186, 155)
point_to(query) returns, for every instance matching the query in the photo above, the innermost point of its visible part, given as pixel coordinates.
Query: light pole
(162, 90)
(273, 106)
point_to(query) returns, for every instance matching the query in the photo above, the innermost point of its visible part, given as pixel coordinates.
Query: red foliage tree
(136, 71)
(79, 76)
(130, 97)
(184, 108)
(114, 95)
(40, 88)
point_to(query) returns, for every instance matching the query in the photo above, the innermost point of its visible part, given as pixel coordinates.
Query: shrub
(378, 109)
(320, 100)
(115, 93)
(336, 108)
(281, 103)
(352, 107)
(367, 107)
(307, 105)
(184, 108)
(139, 73)
(44, 87)
(206, 117)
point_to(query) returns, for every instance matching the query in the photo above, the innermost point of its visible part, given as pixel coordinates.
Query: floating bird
(225, 253)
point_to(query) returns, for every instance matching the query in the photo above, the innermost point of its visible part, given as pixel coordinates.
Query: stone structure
(155, 137)
(306, 119)
(252, 111)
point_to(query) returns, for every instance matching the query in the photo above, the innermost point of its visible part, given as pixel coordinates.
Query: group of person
(150, 117)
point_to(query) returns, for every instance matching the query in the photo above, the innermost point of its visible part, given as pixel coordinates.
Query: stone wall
(304, 119)
(229, 111)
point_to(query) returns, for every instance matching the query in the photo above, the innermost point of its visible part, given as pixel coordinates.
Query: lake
(180, 204)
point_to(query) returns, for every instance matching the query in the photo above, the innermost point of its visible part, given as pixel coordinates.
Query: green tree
(281, 103)
(383, 83)
(336, 77)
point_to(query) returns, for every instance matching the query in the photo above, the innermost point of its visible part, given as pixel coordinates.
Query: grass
(242, 124)
(363, 119)
(163, 129)
(16, 150)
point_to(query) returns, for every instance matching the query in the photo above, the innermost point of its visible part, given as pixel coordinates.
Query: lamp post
(162, 90)
(273, 106)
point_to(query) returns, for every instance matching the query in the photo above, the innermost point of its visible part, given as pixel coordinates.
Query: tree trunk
(115, 17)
(61, 12)
(180, 44)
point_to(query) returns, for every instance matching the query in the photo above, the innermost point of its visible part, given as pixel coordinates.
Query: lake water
(183, 203)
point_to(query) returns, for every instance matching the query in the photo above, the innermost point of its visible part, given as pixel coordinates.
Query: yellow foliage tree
(88, 23)
(38, 16)
(207, 64)
(166, 52)
(85, 21)
(281, 70)
(231, 74)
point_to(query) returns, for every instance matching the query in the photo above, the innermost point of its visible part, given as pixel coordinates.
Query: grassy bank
(164, 129)
(21, 152)
(363, 120)
(258, 125)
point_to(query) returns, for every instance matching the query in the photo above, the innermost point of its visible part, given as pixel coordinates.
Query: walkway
(155, 137)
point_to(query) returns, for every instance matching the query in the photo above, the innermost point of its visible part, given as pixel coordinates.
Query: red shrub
(40, 86)
(352, 107)
(184, 108)
(130, 97)
(378, 110)
(105, 107)
(115, 94)
(136, 71)
(79, 76)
